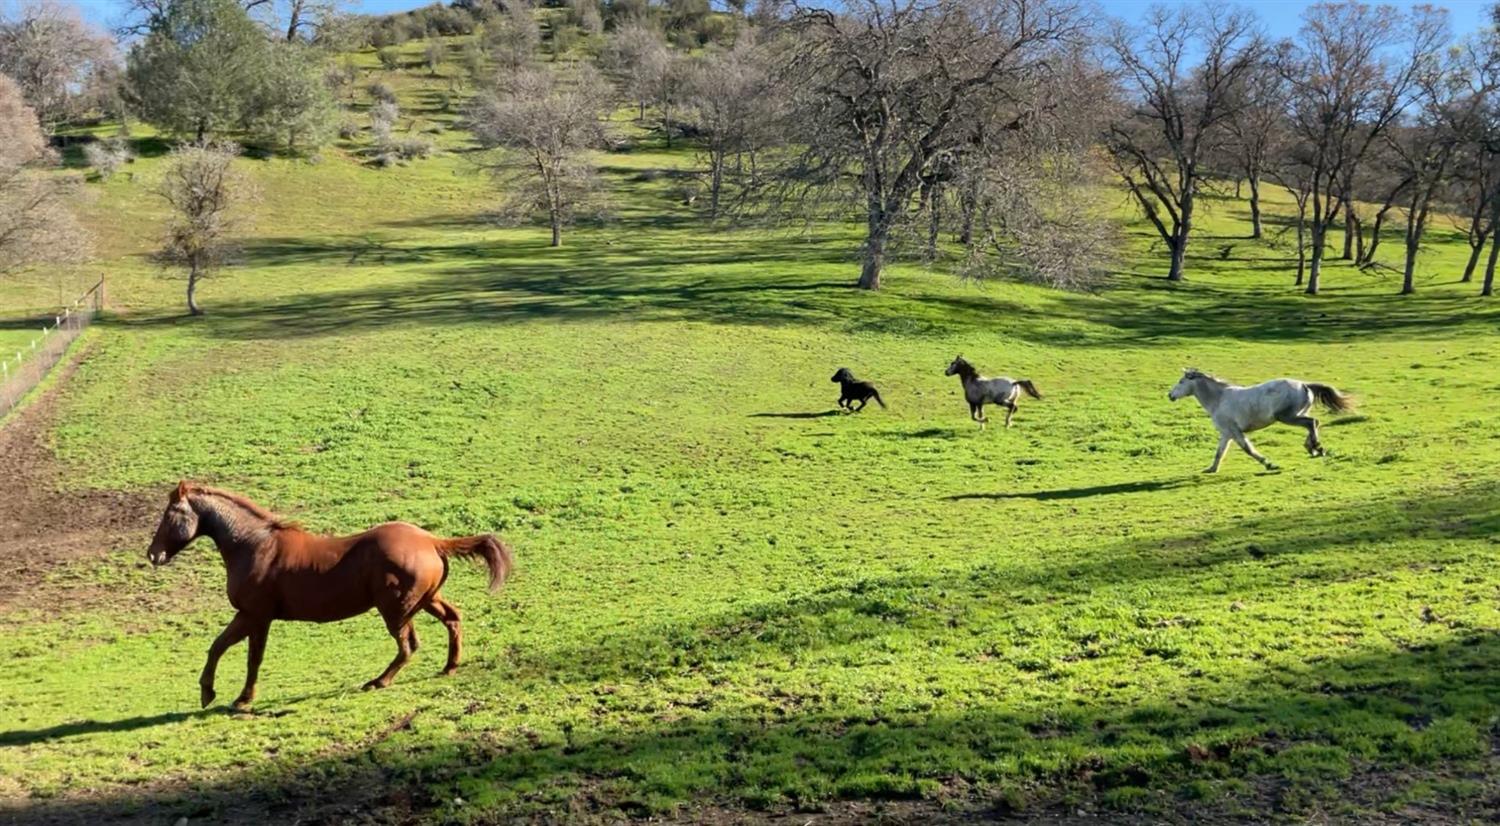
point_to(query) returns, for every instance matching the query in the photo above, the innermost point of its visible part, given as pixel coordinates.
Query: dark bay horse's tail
(1025, 384)
(1331, 398)
(496, 554)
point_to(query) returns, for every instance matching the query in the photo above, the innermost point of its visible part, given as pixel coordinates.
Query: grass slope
(730, 594)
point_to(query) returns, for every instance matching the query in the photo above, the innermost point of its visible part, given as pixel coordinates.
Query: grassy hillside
(731, 595)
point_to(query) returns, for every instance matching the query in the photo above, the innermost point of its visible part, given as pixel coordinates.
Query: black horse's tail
(876, 395)
(1330, 398)
(1025, 384)
(496, 554)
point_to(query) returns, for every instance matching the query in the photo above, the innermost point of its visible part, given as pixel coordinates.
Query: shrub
(107, 156)
(381, 93)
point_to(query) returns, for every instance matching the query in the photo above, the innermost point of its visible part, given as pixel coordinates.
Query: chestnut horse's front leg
(237, 629)
(257, 645)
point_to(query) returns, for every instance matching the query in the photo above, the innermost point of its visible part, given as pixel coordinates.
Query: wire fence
(24, 369)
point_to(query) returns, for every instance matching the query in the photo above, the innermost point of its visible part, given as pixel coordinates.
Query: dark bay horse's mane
(964, 368)
(272, 520)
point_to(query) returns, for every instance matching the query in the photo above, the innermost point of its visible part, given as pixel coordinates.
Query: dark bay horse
(979, 390)
(277, 571)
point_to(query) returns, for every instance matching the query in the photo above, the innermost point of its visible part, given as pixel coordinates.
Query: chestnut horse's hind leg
(448, 615)
(398, 622)
(411, 637)
(403, 656)
(237, 629)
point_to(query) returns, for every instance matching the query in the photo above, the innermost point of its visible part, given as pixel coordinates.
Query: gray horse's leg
(1010, 410)
(1244, 443)
(1218, 454)
(1313, 444)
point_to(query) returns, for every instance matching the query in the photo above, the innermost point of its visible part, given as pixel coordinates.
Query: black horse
(853, 390)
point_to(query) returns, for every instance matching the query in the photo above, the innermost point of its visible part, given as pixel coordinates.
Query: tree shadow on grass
(734, 279)
(1415, 714)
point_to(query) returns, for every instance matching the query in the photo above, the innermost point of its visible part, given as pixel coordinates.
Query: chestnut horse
(277, 571)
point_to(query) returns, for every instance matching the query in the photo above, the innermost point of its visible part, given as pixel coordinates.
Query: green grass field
(729, 595)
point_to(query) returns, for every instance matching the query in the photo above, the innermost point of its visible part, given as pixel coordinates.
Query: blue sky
(1280, 16)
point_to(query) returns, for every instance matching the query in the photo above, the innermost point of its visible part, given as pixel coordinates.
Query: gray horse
(1238, 410)
(979, 389)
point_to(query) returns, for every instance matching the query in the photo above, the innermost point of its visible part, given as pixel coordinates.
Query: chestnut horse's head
(179, 527)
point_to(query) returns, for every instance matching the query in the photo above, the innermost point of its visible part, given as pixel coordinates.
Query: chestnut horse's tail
(496, 554)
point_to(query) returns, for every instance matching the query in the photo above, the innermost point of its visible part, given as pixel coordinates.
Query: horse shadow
(1089, 491)
(810, 415)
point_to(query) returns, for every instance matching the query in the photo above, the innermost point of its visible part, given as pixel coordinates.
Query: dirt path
(42, 527)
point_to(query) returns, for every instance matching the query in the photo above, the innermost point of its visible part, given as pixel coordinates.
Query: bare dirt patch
(43, 526)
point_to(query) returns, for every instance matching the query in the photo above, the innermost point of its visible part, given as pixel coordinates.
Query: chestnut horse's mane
(255, 510)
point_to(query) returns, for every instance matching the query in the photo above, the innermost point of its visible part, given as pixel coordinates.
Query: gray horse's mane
(1195, 373)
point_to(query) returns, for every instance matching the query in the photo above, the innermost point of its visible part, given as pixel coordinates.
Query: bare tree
(52, 54)
(35, 222)
(1345, 94)
(1183, 111)
(544, 126)
(1028, 198)
(512, 36)
(207, 195)
(885, 90)
(629, 57)
(733, 111)
(1451, 92)
(1259, 110)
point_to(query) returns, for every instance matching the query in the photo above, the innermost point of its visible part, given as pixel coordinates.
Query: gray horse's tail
(1025, 384)
(1330, 398)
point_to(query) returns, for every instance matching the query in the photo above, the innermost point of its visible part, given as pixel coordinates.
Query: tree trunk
(875, 240)
(192, 290)
(715, 185)
(1408, 274)
(932, 197)
(1350, 227)
(968, 205)
(556, 230)
(1255, 227)
(1489, 270)
(1315, 262)
(1474, 250)
(1359, 240)
(1301, 240)
(1179, 243)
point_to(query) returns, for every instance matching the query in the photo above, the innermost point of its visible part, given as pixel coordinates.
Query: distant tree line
(994, 133)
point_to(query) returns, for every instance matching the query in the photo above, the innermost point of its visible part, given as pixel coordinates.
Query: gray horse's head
(1184, 385)
(958, 366)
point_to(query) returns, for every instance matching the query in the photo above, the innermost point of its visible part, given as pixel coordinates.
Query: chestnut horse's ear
(182, 490)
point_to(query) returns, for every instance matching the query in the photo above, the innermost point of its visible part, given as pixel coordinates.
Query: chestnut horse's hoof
(241, 705)
(449, 671)
(207, 696)
(374, 684)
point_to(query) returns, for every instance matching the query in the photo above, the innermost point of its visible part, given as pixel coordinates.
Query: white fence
(22, 370)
